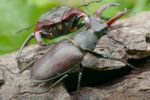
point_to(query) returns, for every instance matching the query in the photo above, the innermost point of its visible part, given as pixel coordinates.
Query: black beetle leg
(42, 92)
(104, 7)
(79, 80)
(123, 61)
(29, 65)
(62, 78)
(24, 44)
(112, 58)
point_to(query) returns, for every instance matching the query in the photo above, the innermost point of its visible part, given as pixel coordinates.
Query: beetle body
(70, 52)
(66, 53)
(56, 61)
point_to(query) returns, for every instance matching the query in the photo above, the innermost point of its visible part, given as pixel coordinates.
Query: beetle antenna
(123, 61)
(84, 3)
(25, 29)
(24, 44)
(79, 79)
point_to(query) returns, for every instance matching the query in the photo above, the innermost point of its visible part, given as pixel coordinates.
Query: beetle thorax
(98, 26)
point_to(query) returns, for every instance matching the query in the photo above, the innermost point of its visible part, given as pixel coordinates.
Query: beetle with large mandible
(67, 55)
(54, 23)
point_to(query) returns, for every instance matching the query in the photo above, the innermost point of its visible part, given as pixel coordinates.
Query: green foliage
(19, 14)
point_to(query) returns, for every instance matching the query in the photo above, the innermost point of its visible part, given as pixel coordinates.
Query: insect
(67, 55)
(57, 22)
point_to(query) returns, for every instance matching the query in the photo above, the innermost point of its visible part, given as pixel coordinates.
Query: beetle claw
(101, 10)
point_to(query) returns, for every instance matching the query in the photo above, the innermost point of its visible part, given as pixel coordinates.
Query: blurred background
(18, 14)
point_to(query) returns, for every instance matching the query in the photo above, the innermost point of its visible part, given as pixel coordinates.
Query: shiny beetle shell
(60, 58)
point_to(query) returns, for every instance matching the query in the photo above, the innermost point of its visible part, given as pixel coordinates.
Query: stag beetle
(57, 22)
(67, 54)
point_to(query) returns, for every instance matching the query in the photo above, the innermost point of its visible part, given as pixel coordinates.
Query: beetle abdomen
(57, 60)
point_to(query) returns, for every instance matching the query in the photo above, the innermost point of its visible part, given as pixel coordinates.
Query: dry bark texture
(134, 33)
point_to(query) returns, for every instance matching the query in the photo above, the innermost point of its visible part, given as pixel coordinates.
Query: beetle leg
(119, 15)
(38, 38)
(23, 45)
(101, 10)
(25, 29)
(111, 58)
(123, 61)
(79, 79)
(26, 67)
(42, 92)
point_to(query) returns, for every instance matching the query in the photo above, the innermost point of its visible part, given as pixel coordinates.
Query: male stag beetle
(57, 22)
(67, 54)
